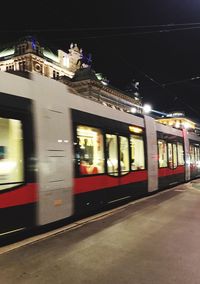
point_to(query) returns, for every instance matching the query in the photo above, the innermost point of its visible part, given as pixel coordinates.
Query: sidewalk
(154, 241)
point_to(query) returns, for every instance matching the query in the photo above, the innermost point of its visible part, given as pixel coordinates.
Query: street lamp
(147, 108)
(133, 110)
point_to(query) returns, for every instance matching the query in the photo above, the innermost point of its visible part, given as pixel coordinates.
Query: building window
(89, 150)
(11, 153)
(137, 152)
(22, 66)
(54, 74)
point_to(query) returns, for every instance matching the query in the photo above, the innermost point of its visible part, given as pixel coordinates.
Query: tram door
(54, 152)
(172, 155)
(118, 162)
(125, 165)
(170, 160)
(124, 161)
(55, 175)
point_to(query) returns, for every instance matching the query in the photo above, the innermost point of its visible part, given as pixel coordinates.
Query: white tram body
(50, 189)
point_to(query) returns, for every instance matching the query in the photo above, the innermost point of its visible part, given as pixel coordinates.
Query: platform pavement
(155, 240)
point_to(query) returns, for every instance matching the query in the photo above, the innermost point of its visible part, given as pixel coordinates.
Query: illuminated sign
(135, 129)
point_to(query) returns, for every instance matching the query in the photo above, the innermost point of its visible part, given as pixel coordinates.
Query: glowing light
(109, 136)
(51, 55)
(86, 132)
(7, 166)
(104, 83)
(64, 61)
(186, 125)
(135, 129)
(133, 110)
(7, 52)
(147, 108)
(177, 124)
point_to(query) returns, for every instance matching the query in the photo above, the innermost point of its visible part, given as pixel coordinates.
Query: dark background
(154, 42)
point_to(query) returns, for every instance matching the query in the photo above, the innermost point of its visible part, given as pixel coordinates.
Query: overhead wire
(125, 34)
(171, 27)
(180, 81)
(164, 86)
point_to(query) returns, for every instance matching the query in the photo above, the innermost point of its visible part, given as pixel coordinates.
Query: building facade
(28, 55)
(72, 68)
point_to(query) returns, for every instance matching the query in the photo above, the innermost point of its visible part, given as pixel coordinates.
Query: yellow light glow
(177, 124)
(135, 129)
(86, 132)
(186, 125)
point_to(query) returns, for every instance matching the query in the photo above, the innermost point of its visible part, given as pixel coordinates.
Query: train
(63, 155)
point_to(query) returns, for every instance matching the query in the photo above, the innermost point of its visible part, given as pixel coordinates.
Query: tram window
(137, 152)
(89, 151)
(194, 154)
(175, 156)
(112, 154)
(170, 155)
(197, 155)
(180, 154)
(162, 152)
(11, 153)
(124, 155)
(192, 158)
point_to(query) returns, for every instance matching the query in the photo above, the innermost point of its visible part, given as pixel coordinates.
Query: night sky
(154, 42)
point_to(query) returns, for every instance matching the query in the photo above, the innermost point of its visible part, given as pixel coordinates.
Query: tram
(62, 154)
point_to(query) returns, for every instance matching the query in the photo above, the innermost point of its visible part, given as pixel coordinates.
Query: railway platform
(152, 240)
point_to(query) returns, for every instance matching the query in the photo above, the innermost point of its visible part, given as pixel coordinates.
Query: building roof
(84, 74)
